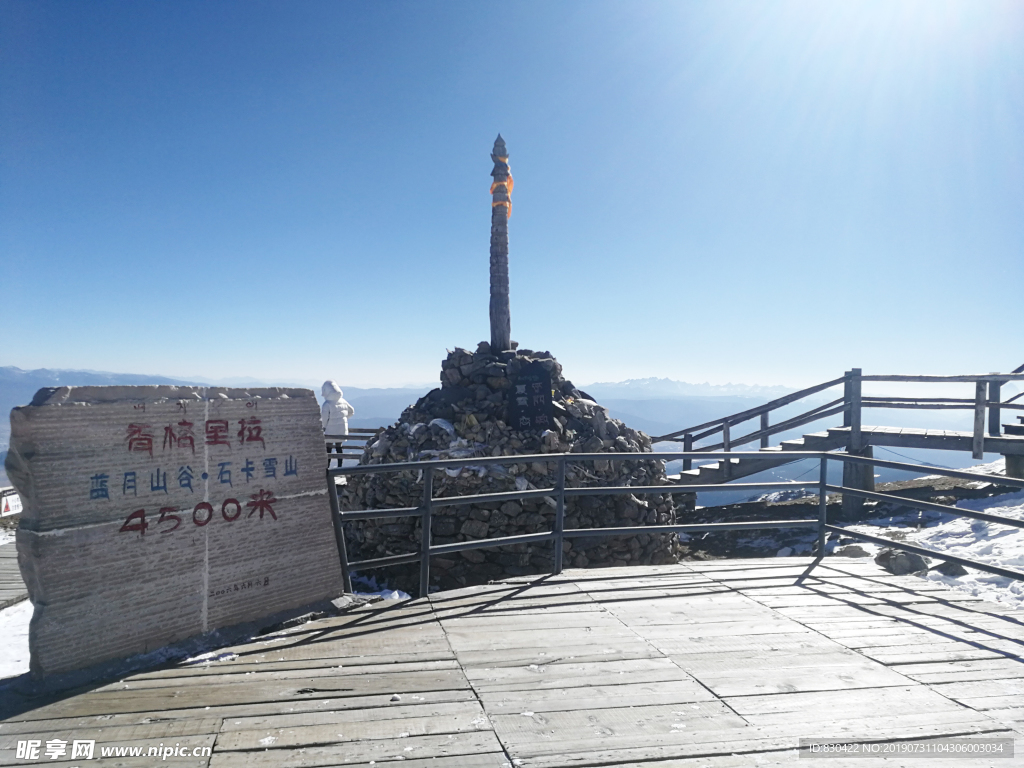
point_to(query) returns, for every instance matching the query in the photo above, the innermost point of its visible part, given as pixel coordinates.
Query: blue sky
(707, 191)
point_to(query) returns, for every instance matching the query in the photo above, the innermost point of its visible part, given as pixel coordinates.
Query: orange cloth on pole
(508, 184)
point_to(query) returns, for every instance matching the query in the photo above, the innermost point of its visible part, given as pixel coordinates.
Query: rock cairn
(467, 417)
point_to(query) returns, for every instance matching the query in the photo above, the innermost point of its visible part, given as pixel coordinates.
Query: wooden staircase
(715, 472)
(853, 436)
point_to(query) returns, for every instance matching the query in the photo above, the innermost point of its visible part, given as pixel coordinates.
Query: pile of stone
(468, 417)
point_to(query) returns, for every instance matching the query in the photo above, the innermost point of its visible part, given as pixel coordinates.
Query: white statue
(335, 411)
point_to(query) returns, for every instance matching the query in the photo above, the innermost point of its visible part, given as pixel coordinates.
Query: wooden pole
(847, 400)
(501, 209)
(994, 394)
(978, 443)
(858, 476)
(726, 448)
(855, 410)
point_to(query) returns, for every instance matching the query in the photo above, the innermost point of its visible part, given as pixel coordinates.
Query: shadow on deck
(721, 663)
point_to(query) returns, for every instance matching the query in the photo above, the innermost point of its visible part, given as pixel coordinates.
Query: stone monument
(154, 514)
(335, 411)
(505, 401)
(471, 415)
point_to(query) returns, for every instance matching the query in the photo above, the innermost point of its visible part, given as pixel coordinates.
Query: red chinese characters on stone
(250, 431)
(261, 502)
(182, 435)
(217, 432)
(140, 438)
(183, 438)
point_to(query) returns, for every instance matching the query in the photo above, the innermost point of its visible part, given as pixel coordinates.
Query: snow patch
(985, 542)
(989, 543)
(14, 630)
(367, 586)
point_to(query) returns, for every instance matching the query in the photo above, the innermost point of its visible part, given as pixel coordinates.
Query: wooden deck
(717, 664)
(12, 588)
(936, 439)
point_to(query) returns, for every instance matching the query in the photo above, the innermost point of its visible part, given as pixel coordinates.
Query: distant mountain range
(660, 389)
(654, 405)
(374, 407)
(17, 387)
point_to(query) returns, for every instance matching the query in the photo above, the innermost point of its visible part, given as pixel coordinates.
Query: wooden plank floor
(937, 439)
(717, 664)
(12, 588)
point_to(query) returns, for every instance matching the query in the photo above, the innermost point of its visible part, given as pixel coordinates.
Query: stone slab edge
(13, 600)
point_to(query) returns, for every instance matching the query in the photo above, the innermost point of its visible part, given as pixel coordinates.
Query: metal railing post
(559, 515)
(764, 429)
(978, 441)
(687, 446)
(726, 448)
(339, 532)
(427, 514)
(994, 393)
(822, 506)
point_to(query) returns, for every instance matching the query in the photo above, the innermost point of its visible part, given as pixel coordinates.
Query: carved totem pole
(501, 210)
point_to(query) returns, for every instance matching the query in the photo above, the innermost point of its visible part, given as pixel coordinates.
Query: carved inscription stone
(530, 406)
(153, 514)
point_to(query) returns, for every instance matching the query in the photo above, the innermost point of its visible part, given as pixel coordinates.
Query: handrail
(771, 430)
(971, 378)
(897, 403)
(815, 414)
(350, 445)
(772, 405)
(908, 467)
(355, 433)
(559, 492)
(986, 399)
(416, 466)
(970, 400)
(932, 506)
(925, 552)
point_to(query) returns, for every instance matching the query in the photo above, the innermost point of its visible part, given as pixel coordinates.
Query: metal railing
(560, 491)
(351, 445)
(987, 394)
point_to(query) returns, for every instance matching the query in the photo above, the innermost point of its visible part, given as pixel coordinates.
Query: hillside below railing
(559, 492)
(986, 399)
